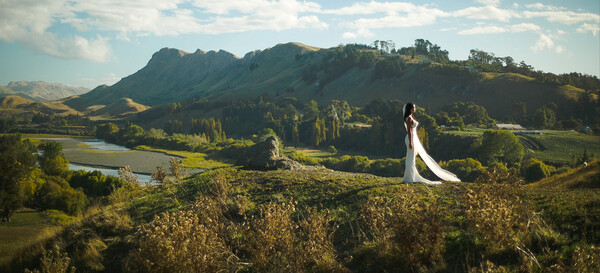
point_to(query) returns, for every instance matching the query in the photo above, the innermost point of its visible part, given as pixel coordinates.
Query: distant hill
(304, 72)
(41, 91)
(120, 107)
(18, 106)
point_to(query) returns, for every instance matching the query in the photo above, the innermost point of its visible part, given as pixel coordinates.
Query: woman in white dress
(414, 148)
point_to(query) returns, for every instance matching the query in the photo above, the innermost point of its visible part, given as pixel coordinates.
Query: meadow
(319, 220)
(556, 146)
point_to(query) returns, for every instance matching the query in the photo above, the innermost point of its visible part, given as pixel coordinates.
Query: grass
(560, 145)
(246, 204)
(26, 229)
(189, 160)
(310, 152)
(581, 177)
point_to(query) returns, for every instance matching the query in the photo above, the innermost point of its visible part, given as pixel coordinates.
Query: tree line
(39, 177)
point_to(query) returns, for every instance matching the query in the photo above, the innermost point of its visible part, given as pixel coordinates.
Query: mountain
(304, 72)
(41, 91)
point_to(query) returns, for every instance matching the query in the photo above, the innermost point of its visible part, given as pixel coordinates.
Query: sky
(92, 42)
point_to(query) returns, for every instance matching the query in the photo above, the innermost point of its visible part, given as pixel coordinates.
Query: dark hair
(408, 109)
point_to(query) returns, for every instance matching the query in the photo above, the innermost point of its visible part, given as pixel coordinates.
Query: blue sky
(93, 42)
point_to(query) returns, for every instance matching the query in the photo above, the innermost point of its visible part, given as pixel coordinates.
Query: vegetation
(359, 218)
(235, 220)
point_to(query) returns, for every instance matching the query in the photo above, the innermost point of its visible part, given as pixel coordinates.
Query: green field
(562, 145)
(26, 229)
(190, 160)
(558, 146)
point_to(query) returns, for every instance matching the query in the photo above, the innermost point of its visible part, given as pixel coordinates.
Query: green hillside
(348, 73)
(580, 178)
(318, 220)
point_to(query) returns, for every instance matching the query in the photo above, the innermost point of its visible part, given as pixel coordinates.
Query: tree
(500, 146)
(519, 111)
(544, 118)
(107, 131)
(311, 110)
(16, 162)
(51, 160)
(535, 170)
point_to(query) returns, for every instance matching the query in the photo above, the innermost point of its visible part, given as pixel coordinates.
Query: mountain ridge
(309, 73)
(40, 90)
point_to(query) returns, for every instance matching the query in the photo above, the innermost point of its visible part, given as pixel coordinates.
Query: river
(95, 154)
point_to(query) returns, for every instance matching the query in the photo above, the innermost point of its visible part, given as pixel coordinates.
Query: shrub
(53, 262)
(406, 233)
(390, 167)
(302, 158)
(57, 194)
(499, 174)
(466, 169)
(277, 243)
(504, 222)
(535, 170)
(185, 241)
(58, 217)
(348, 163)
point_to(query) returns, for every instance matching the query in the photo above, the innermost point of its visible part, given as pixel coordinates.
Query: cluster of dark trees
(488, 62)
(363, 56)
(133, 135)
(424, 47)
(338, 61)
(39, 177)
(573, 116)
(46, 123)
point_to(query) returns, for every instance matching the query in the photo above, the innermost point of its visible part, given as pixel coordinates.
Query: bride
(414, 148)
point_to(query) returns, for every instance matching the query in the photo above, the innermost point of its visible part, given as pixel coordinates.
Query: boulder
(265, 156)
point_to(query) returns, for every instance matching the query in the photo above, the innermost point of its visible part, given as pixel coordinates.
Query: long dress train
(411, 175)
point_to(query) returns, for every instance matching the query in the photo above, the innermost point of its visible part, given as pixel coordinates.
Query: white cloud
(496, 29)
(546, 42)
(483, 30)
(390, 8)
(349, 35)
(593, 28)
(361, 32)
(489, 2)
(394, 15)
(486, 13)
(525, 27)
(540, 6)
(563, 17)
(27, 22)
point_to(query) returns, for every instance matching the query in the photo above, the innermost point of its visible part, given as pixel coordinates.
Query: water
(142, 178)
(101, 145)
(96, 144)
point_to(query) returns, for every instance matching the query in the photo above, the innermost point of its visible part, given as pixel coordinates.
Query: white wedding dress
(411, 175)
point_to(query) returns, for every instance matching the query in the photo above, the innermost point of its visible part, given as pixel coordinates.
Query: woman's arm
(409, 122)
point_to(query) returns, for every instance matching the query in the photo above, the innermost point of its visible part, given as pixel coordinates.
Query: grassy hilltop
(318, 220)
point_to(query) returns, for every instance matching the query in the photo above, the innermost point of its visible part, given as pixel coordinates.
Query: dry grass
(407, 233)
(185, 241)
(278, 243)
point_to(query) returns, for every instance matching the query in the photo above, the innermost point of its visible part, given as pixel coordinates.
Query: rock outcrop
(265, 156)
